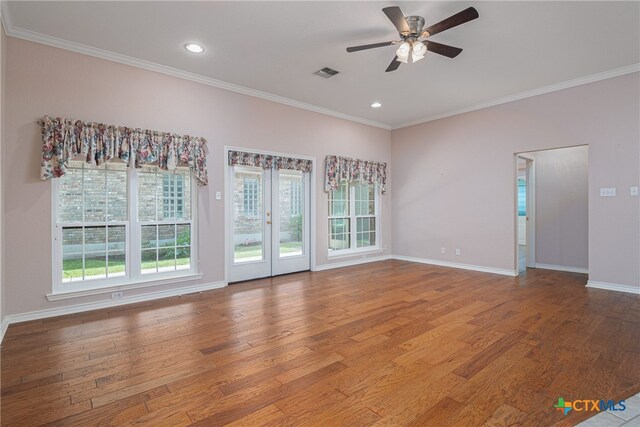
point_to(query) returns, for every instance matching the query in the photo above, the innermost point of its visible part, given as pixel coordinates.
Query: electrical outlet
(443, 250)
(116, 295)
(607, 192)
(457, 251)
(633, 191)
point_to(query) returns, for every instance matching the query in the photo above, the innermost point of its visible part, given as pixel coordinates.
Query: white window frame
(133, 277)
(353, 225)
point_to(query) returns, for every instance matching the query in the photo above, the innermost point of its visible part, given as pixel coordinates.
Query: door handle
(269, 221)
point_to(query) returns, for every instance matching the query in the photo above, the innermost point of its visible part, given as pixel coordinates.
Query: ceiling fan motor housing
(415, 26)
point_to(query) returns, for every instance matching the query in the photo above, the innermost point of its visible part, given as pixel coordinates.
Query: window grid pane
(164, 211)
(96, 195)
(362, 198)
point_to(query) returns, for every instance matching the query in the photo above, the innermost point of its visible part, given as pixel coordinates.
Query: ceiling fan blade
(442, 49)
(393, 66)
(369, 46)
(459, 18)
(396, 17)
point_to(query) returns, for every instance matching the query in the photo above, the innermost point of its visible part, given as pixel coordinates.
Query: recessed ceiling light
(376, 105)
(194, 48)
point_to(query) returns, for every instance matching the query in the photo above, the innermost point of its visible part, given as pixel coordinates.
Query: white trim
(145, 283)
(563, 268)
(36, 37)
(357, 261)
(4, 326)
(96, 305)
(228, 194)
(616, 72)
(613, 287)
(347, 253)
(502, 271)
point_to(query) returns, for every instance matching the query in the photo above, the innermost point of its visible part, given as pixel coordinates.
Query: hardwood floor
(388, 343)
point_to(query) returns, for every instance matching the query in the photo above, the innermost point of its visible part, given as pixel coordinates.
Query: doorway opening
(525, 212)
(268, 228)
(552, 209)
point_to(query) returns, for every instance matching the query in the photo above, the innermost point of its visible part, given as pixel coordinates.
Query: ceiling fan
(411, 30)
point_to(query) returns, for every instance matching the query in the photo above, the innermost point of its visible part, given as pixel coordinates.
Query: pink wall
(44, 80)
(562, 207)
(453, 182)
(3, 44)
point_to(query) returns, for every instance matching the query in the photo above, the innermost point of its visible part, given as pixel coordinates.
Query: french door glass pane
(291, 207)
(339, 233)
(248, 233)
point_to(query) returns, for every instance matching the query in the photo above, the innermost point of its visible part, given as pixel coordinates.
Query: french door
(269, 218)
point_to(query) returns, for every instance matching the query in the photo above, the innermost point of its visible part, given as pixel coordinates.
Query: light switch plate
(218, 195)
(607, 192)
(633, 191)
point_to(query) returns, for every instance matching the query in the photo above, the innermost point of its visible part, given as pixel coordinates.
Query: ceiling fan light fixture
(418, 51)
(403, 52)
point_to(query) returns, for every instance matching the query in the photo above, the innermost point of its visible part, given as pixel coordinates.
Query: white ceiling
(275, 47)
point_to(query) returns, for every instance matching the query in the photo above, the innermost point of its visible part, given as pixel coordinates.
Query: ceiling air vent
(326, 72)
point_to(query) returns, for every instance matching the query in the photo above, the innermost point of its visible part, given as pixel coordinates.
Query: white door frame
(227, 203)
(531, 210)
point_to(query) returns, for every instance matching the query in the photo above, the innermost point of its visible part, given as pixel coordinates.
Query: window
(353, 218)
(251, 197)
(95, 234)
(164, 213)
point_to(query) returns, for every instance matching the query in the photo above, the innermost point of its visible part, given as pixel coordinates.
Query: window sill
(347, 253)
(143, 283)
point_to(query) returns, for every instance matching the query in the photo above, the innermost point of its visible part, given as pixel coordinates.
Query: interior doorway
(525, 212)
(268, 231)
(552, 209)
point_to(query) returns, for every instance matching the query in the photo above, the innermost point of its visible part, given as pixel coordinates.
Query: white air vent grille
(326, 72)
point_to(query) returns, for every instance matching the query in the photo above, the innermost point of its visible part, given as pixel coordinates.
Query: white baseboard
(613, 287)
(502, 271)
(351, 262)
(563, 268)
(3, 328)
(89, 306)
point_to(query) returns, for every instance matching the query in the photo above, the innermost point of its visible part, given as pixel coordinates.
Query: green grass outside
(72, 268)
(250, 251)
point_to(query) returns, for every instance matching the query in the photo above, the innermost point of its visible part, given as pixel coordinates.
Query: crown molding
(633, 68)
(36, 37)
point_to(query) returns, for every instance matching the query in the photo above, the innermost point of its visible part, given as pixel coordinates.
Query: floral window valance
(339, 169)
(267, 161)
(64, 140)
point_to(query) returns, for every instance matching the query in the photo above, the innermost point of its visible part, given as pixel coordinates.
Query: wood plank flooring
(387, 343)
